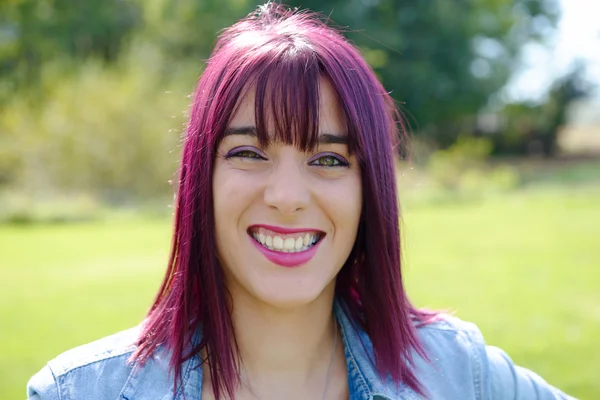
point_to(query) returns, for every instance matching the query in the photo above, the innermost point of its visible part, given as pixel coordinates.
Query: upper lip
(284, 230)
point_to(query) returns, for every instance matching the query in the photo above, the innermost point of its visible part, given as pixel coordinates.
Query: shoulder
(448, 324)
(117, 346)
(102, 370)
(455, 358)
(448, 335)
(459, 362)
(99, 368)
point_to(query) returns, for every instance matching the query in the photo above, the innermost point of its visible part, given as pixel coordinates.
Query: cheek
(228, 202)
(344, 204)
(231, 196)
(231, 189)
(234, 193)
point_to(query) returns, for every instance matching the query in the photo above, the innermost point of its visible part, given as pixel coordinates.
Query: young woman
(284, 279)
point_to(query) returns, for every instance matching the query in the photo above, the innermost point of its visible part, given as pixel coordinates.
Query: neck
(285, 345)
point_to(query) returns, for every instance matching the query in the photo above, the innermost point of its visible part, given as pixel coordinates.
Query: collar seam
(184, 379)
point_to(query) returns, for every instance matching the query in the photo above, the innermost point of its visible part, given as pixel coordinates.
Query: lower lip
(287, 259)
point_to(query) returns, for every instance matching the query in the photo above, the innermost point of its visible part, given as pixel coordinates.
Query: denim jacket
(460, 367)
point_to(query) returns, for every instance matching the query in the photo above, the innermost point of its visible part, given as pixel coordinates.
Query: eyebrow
(324, 138)
(244, 130)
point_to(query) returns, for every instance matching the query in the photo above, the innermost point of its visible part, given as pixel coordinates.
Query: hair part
(282, 55)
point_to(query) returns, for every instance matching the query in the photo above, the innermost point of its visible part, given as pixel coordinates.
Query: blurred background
(500, 199)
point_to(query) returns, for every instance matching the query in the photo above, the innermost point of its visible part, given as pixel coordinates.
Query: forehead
(329, 116)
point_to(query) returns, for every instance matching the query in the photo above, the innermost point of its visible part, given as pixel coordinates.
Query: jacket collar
(363, 379)
(154, 379)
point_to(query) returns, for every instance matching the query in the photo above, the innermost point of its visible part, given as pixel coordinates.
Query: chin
(291, 296)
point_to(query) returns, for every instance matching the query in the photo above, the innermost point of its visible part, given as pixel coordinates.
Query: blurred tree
(442, 59)
(98, 115)
(188, 28)
(533, 129)
(33, 32)
(564, 92)
(108, 131)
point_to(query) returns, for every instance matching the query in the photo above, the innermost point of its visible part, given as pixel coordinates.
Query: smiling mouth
(285, 242)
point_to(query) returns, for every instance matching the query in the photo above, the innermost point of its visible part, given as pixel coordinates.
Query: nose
(287, 190)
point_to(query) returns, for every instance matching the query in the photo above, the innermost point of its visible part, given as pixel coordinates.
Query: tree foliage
(83, 83)
(442, 58)
(34, 32)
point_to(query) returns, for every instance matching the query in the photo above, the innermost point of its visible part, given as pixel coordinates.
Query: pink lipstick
(290, 259)
(281, 229)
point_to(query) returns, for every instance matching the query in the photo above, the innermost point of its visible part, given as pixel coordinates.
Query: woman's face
(286, 220)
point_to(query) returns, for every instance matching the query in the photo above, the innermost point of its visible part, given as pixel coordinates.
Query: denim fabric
(460, 366)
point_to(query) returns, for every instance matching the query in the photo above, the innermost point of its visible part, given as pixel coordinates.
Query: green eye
(244, 154)
(247, 154)
(328, 161)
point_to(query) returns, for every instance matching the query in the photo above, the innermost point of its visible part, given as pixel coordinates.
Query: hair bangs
(285, 83)
(286, 107)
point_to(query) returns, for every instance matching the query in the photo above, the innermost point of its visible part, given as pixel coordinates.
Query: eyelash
(238, 154)
(338, 161)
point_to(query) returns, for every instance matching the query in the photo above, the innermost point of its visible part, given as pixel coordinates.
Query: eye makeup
(251, 152)
(342, 162)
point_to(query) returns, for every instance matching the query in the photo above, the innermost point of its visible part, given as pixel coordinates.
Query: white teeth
(278, 242)
(307, 240)
(289, 243)
(286, 245)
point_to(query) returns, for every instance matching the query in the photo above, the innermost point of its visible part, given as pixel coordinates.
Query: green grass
(65, 285)
(523, 266)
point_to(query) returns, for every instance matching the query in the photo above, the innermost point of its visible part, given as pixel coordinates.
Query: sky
(578, 37)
